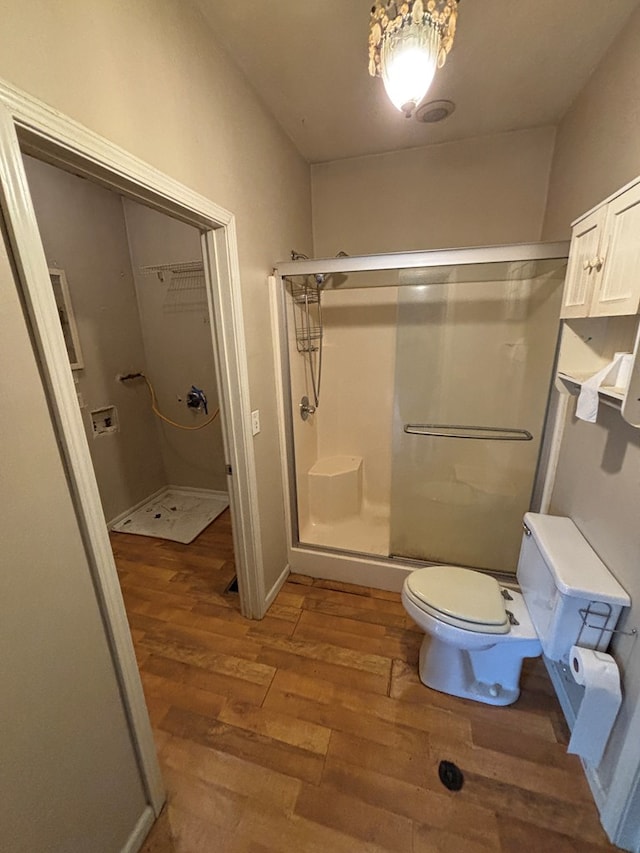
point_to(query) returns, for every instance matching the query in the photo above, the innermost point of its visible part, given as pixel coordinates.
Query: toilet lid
(461, 594)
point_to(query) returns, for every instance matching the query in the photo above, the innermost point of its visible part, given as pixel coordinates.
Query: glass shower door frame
(429, 259)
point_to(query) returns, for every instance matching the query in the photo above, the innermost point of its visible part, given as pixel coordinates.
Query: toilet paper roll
(599, 674)
(588, 400)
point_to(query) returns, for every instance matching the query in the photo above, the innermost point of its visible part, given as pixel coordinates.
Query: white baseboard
(194, 490)
(185, 490)
(140, 831)
(122, 515)
(275, 589)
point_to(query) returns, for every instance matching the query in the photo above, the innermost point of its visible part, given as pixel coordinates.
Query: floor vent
(450, 775)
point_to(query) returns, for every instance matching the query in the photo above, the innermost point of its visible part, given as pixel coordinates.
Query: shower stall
(415, 392)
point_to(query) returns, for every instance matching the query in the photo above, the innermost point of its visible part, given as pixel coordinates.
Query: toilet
(477, 632)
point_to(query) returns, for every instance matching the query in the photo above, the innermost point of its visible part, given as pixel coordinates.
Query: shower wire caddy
(308, 327)
(307, 317)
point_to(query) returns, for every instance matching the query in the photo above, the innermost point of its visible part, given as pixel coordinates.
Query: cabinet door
(582, 271)
(618, 287)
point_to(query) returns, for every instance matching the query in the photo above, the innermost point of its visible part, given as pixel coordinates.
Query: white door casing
(42, 131)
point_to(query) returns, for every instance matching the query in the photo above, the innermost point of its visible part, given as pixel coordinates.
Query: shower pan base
(367, 533)
(348, 567)
(175, 513)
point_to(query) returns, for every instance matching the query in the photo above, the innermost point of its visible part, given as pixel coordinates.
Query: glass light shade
(408, 62)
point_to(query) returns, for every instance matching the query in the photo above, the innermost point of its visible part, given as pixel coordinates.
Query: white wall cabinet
(603, 276)
(619, 282)
(582, 270)
(602, 298)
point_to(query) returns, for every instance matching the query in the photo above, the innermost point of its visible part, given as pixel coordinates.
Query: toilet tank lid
(577, 569)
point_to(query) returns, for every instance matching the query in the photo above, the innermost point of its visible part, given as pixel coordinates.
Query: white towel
(587, 408)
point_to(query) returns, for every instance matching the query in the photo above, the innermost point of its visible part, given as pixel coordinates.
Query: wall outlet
(255, 422)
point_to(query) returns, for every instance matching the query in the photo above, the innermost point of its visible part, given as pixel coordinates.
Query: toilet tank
(570, 594)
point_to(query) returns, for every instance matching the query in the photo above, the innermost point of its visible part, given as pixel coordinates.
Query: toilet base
(490, 675)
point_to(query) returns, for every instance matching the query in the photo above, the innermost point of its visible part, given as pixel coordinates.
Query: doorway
(131, 296)
(28, 127)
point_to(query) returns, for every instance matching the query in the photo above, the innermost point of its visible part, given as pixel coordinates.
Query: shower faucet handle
(306, 408)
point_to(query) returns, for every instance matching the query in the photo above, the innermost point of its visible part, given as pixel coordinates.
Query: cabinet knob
(597, 264)
(587, 266)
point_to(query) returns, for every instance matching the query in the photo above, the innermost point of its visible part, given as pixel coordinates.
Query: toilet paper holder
(599, 675)
(587, 613)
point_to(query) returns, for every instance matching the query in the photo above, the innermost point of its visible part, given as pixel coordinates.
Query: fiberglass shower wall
(471, 346)
(344, 452)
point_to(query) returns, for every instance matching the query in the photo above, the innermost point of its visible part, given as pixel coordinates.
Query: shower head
(322, 277)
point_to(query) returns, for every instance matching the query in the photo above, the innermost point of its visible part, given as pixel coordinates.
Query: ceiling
(514, 64)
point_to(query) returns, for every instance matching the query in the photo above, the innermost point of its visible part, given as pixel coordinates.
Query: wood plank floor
(310, 731)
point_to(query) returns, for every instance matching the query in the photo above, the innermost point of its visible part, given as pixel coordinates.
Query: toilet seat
(461, 597)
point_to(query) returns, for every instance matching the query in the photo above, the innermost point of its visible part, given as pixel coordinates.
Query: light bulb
(408, 60)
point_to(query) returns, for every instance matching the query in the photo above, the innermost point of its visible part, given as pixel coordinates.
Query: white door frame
(41, 130)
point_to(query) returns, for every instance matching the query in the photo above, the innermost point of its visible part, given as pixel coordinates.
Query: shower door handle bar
(478, 433)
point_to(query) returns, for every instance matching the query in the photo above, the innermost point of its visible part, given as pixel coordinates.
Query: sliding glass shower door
(473, 366)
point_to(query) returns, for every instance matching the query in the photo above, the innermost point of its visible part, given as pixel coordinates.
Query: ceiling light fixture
(408, 41)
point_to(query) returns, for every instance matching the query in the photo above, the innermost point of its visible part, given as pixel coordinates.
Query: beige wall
(598, 481)
(478, 192)
(598, 141)
(174, 316)
(125, 329)
(83, 232)
(68, 773)
(150, 77)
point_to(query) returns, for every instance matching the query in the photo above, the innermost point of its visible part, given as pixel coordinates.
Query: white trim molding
(122, 515)
(27, 124)
(140, 831)
(275, 589)
(222, 274)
